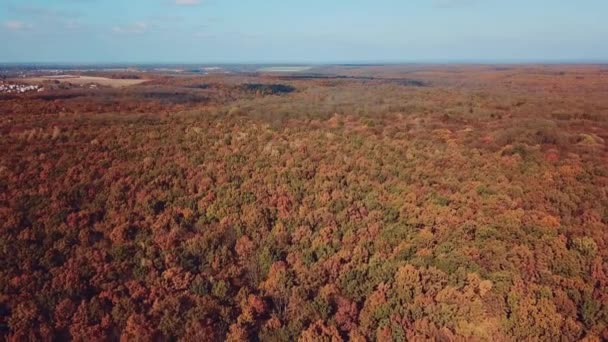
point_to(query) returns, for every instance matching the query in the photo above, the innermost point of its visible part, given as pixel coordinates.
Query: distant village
(11, 88)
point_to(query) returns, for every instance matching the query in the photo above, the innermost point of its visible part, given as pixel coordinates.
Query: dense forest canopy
(471, 204)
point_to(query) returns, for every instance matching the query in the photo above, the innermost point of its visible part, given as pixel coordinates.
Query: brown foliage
(470, 206)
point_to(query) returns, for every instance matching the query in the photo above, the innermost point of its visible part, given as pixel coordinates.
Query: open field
(401, 202)
(82, 80)
(285, 69)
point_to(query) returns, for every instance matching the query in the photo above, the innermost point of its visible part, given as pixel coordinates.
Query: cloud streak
(453, 3)
(38, 11)
(135, 28)
(16, 25)
(187, 2)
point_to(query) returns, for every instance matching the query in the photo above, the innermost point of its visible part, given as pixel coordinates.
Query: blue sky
(275, 31)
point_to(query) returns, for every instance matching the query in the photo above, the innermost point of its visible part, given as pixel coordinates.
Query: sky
(311, 31)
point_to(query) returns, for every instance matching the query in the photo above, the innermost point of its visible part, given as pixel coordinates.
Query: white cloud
(187, 2)
(453, 3)
(15, 25)
(136, 28)
(205, 35)
(73, 25)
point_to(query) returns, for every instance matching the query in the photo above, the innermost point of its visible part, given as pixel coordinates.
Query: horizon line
(575, 61)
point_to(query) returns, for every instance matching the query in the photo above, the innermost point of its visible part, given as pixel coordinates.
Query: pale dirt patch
(80, 80)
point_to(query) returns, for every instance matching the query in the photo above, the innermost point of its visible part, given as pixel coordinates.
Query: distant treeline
(399, 81)
(268, 89)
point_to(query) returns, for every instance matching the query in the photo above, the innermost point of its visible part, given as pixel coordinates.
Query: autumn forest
(361, 203)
